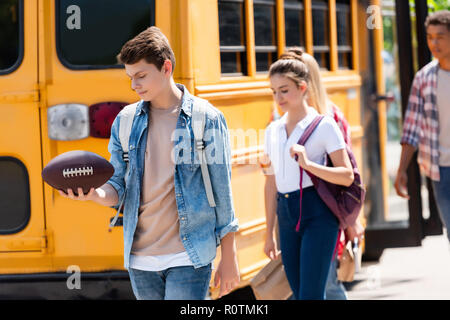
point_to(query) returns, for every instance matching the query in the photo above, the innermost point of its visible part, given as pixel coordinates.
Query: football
(75, 169)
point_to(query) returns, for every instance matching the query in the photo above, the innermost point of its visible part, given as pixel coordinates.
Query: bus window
(344, 34)
(90, 34)
(294, 23)
(10, 44)
(14, 196)
(233, 49)
(321, 36)
(265, 34)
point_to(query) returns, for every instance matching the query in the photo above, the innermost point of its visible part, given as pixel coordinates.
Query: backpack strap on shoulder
(305, 136)
(198, 126)
(309, 130)
(126, 122)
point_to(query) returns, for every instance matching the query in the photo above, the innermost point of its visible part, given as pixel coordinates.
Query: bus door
(85, 88)
(22, 226)
(391, 220)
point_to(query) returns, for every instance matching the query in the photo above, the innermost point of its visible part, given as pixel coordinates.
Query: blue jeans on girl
(334, 289)
(306, 254)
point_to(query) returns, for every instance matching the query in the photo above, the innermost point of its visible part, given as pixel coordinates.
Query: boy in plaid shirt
(427, 119)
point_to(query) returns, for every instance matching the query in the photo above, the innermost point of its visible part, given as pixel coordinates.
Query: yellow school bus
(61, 87)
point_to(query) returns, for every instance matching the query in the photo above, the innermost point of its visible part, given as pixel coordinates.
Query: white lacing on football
(77, 172)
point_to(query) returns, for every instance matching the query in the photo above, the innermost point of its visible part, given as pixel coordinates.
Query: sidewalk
(406, 274)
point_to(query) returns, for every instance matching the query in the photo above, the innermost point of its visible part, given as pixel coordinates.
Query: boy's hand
(401, 182)
(81, 196)
(227, 275)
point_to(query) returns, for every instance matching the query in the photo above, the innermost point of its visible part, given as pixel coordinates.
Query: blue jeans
(306, 254)
(334, 289)
(442, 195)
(177, 283)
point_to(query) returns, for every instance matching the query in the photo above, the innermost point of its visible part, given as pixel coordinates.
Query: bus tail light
(68, 122)
(101, 118)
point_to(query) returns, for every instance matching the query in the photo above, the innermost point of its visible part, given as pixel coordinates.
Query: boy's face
(147, 80)
(438, 39)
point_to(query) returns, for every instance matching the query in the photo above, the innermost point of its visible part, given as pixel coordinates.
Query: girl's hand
(355, 231)
(270, 248)
(300, 152)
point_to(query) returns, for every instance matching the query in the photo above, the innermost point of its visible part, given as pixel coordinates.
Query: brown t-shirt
(157, 231)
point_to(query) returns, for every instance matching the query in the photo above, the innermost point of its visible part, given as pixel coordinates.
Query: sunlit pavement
(417, 273)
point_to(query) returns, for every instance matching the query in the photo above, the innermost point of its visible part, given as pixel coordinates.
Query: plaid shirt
(421, 124)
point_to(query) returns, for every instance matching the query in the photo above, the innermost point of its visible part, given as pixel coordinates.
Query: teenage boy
(171, 230)
(427, 118)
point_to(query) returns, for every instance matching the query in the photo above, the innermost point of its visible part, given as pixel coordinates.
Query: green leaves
(434, 5)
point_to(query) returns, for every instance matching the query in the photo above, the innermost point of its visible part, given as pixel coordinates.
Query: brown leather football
(77, 168)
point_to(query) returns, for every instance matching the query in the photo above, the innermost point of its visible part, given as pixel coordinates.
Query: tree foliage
(437, 5)
(434, 5)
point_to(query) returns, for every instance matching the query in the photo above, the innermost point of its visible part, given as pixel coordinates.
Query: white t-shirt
(161, 262)
(325, 139)
(443, 106)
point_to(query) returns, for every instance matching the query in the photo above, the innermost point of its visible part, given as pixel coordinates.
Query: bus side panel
(23, 241)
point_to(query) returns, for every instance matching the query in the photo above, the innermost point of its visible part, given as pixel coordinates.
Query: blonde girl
(306, 253)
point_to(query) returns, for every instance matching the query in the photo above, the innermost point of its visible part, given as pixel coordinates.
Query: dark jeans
(306, 254)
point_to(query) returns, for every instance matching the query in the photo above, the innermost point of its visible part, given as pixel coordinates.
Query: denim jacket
(201, 226)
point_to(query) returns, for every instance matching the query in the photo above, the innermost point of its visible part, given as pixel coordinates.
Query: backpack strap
(198, 126)
(125, 125)
(309, 130)
(126, 122)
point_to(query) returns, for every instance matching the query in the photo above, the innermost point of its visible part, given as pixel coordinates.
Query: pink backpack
(344, 202)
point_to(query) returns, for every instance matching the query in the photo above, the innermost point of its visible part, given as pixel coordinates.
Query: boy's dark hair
(439, 18)
(151, 45)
